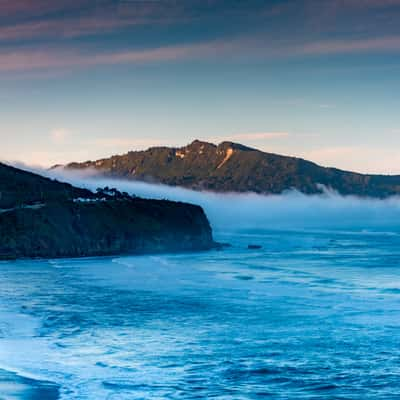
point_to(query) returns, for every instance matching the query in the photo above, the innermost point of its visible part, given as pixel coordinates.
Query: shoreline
(214, 246)
(18, 387)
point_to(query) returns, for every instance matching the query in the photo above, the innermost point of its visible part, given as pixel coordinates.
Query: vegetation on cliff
(44, 218)
(231, 167)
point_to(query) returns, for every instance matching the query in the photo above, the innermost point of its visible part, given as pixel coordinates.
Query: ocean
(313, 314)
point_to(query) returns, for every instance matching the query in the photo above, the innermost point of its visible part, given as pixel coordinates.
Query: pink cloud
(356, 158)
(65, 28)
(84, 20)
(368, 3)
(39, 7)
(51, 59)
(391, 43)
(27, 60)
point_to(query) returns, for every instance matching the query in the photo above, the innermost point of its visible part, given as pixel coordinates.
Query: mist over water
(233, 211)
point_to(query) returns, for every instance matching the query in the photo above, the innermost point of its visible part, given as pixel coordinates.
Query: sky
(85, 79)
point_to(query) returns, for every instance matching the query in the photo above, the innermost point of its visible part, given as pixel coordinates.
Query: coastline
(214, 246)
(69, 230)
(17, 387)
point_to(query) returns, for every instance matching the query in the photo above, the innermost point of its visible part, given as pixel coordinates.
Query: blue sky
(86, 79)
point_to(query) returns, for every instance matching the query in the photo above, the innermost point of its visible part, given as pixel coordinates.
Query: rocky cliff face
(94, 225)
(231, 167)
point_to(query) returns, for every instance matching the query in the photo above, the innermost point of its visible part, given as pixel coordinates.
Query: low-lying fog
(291, 210)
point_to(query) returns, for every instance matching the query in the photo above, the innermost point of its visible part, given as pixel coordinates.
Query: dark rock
(221, 246)
(254, 246)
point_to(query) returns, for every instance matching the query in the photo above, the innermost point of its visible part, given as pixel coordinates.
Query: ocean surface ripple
(311, 315)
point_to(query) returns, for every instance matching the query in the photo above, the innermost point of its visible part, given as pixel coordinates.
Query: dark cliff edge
(62, 221)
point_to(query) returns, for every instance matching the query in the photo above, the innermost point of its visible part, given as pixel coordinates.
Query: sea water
(311, 315)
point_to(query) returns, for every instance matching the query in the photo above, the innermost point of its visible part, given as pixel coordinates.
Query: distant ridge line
(233, 167)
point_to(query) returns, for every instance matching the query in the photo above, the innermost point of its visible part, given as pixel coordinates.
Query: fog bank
(233, 211)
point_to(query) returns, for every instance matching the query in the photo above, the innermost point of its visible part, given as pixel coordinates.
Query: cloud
(384, 44)
(240, 47)
(26, 60)
(68, 147)
(292, 210)
(59, 136)
(36, 7)
(52, 20)
(75, 18)
(366, 3)
(60, 28)
(47, 158)
(49, 59)
(104, 18)
(371, 160)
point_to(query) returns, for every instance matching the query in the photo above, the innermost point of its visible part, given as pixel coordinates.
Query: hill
(231, 167)
(43, 218)
(22, 187)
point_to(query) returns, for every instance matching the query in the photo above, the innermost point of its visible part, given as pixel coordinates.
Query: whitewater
(313, 314)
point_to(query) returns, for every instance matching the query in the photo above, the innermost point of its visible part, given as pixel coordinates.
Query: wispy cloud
(367, 159)
(50, 19)
(58, 136)
(383, 44)
(25, 60)
(367, 3)
(33, 7)
(25, 10)
(64, 28)
(259, 45)
(28, 60)
(86, 20)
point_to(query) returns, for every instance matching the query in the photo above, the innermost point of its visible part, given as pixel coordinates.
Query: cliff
(59, 222)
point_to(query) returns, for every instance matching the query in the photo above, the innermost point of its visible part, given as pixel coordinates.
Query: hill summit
(232, 167)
